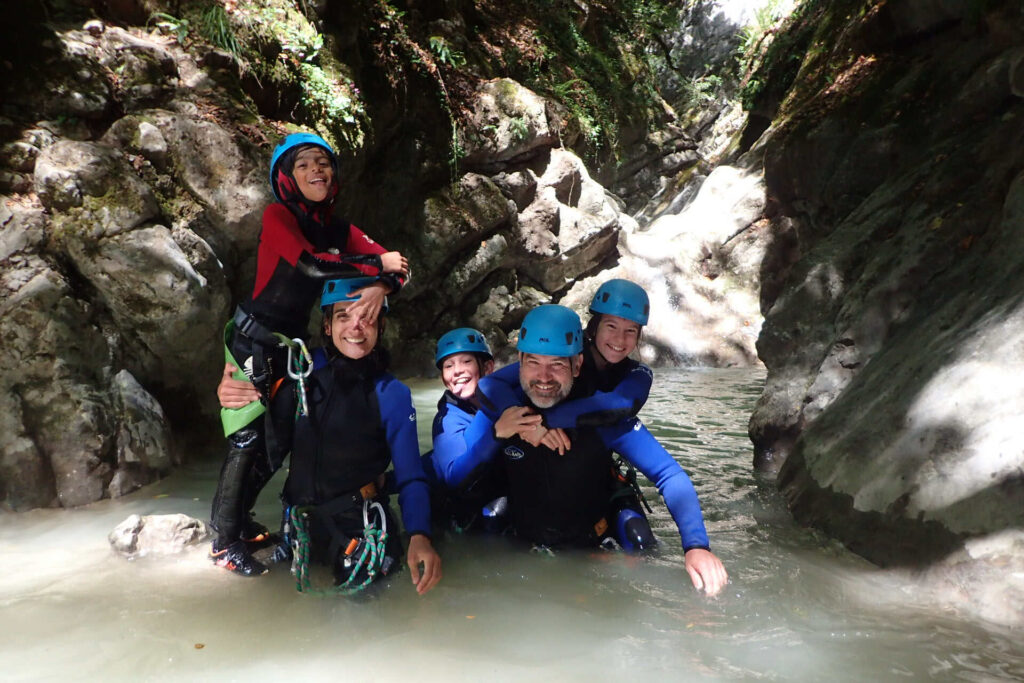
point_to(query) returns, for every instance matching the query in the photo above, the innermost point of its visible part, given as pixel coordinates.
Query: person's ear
(577, 364)
(488, 367)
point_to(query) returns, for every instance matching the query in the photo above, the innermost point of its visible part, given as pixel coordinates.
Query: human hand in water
(235, 393)
(706, 571)
(516, 420)
(394, 262)
(371, 298)
(421, 551)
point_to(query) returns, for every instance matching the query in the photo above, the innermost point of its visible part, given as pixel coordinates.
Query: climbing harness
(628, 485)
(363, 555)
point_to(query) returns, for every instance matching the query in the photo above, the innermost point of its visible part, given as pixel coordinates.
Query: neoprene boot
(236, 557)
(229, 515)
(228, 511)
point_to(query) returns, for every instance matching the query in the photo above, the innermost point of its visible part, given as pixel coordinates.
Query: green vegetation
(215, 26)
(179, 27)
(805, 51)
(590, 57)
(702, 90)
(274, 42)
(445, 55)
(592, 60)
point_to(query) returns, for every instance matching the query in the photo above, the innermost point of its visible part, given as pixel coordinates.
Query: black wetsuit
(360, 420)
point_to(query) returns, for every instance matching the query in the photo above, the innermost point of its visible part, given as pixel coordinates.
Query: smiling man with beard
(560, 499)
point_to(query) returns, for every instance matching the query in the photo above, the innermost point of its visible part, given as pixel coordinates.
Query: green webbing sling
(300, 365)
(233, 419)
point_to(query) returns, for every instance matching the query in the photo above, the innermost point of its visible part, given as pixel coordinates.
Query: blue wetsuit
(616, 392)
(629, 438)
(465, 487)
(452, 454)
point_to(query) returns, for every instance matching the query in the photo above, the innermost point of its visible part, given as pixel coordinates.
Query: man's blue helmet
(551, 330)
(291, 142)
(342, 289)
(622, 298)
(461, 340)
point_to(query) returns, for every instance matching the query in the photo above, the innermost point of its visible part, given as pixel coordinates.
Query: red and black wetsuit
(296, 255)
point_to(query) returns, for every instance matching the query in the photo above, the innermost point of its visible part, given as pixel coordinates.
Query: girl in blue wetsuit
(360, 420)
(463, 358)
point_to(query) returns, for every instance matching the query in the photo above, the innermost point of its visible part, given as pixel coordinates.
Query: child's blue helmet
(291, 142)
(461, 340)
(342, 290)
(551, 330)
(622, 298)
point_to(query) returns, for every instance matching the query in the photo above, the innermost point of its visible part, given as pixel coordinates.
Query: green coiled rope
(372, 555)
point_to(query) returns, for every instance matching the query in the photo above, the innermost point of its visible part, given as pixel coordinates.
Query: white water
(798, 607)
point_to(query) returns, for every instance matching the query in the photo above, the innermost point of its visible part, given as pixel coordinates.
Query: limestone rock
(701, 269)
(147, 72)
(509, 122)
(222, 174)
(143, 437)
(159, 297)
(141, 535)
(69, 430)
(893, 342)
(570, 226)
(96, 184)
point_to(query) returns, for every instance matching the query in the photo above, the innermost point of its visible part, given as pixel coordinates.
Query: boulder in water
(157, 534)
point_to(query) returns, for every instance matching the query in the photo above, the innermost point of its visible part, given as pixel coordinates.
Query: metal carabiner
(298, 372)
(304, 355)
(367, 504)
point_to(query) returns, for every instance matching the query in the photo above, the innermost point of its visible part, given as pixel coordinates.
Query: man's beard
(546, 401)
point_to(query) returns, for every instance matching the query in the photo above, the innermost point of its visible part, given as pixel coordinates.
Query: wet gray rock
(159, 292)
(569, 228)
(95, 184)
(141, 535)
(508, 122)
(147, 71)
(893, 342)
(69, 428)
(218, 171)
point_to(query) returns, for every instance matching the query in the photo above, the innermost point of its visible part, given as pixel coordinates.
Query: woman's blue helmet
(622, 298)
(461, 340)
(342, 289)
(292, 142)
(551, 330)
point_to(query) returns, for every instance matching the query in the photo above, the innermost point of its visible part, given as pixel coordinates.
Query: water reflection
(799, 607)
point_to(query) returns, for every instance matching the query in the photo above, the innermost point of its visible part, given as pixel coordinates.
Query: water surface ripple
(799, 607)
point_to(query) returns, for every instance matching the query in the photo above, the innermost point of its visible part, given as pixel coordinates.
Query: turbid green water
(798, 608)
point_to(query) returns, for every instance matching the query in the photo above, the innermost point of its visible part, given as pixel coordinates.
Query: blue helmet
(461, 340)
(622, 298)
(551, 330)
(341, 290)
(291, 142)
